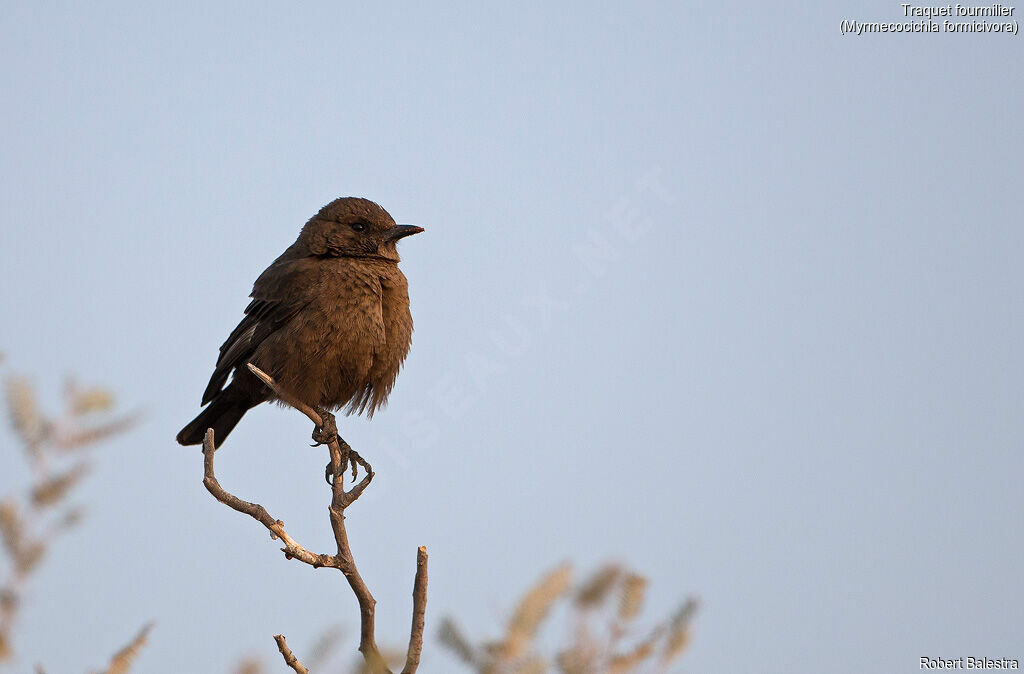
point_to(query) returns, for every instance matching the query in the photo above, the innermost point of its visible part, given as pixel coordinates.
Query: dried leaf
(452, 637)
(581, 659)
(24, 410)
(90, 400)
(71, 518)
(56, 487)
(532, 610)
(633, 589)
(535, 665)
(12, 530)
(596, 589)
(249, 666)
(679, 631)
(392, 658)
(79, 439)
(675, 645)
(29, 556)
(324, 647)
(122, 661)
(8, 604)
(627, 662)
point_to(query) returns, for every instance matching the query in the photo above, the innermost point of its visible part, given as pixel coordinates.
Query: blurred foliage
(603, 613)
(56, 448)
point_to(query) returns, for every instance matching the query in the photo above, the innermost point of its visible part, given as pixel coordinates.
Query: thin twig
(289, 657)
(419, 610)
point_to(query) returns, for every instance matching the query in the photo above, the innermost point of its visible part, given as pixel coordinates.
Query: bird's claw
(349, 459)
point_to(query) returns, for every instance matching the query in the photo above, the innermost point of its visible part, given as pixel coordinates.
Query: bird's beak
(400, 231)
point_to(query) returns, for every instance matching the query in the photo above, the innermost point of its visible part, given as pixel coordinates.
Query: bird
(329, 320)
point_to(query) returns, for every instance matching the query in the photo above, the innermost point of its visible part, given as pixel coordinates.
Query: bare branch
(289, 657)
(342, 455)
(256, 511)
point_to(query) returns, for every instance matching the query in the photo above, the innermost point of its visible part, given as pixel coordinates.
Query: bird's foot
(349, 459)
(327, 431)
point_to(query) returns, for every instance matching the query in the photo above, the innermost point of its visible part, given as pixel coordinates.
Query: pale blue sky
(791, 385)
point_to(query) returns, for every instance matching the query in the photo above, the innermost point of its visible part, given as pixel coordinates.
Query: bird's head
(354, 227)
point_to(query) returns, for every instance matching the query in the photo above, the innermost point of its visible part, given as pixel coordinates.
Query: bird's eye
(358, 226)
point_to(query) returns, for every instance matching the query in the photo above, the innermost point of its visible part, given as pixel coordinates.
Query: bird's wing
(273, 305)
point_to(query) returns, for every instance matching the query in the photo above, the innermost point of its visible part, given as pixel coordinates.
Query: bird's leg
(325, 434)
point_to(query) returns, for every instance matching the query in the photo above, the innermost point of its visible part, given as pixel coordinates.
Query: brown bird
(329, 321)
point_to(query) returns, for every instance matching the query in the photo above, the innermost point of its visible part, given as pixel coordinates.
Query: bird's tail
(222, 415)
